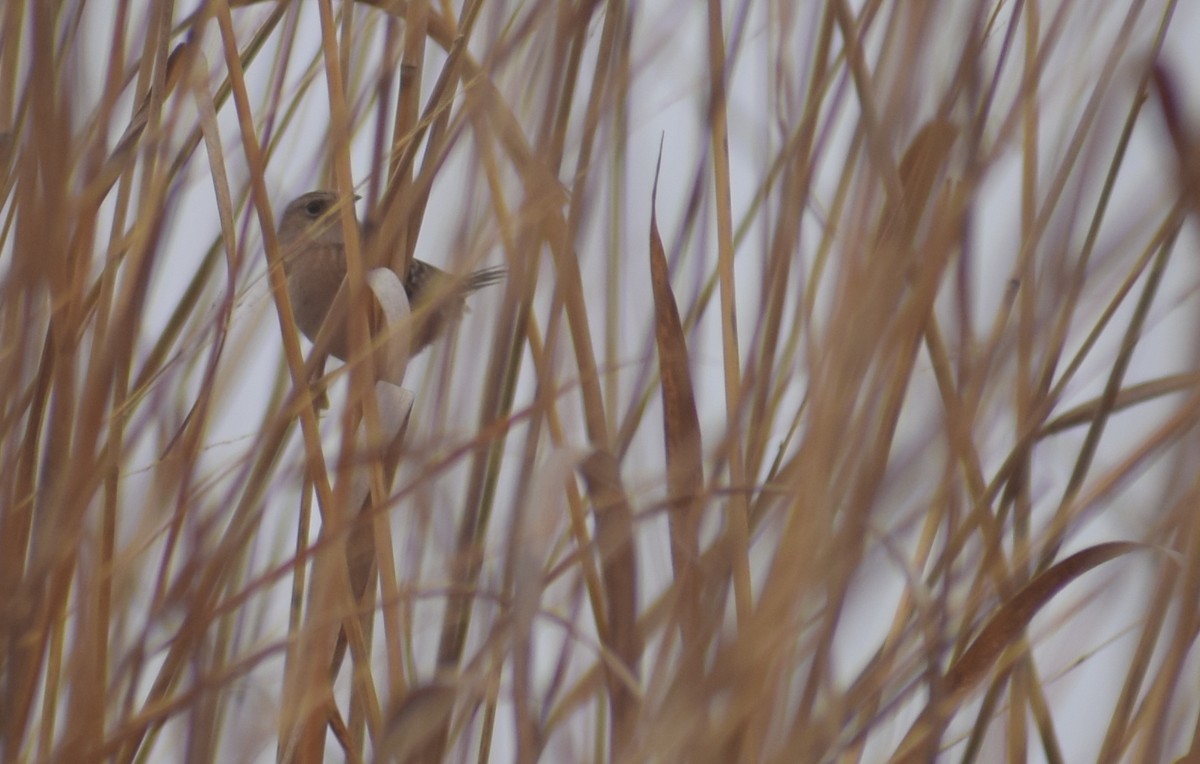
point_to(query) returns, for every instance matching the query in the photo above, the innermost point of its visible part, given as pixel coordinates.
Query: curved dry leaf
(1005, 626)
(1013, 617)
(391, 358)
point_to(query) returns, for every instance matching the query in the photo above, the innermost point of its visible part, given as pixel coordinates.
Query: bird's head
(313, 218)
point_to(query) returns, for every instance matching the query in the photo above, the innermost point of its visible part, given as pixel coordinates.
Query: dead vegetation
(862, 428)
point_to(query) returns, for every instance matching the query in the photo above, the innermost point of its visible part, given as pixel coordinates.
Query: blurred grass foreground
(840, 402)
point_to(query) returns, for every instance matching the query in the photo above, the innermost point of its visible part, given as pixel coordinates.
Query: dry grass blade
(618, 554)
(681, 432)
(1129, 396)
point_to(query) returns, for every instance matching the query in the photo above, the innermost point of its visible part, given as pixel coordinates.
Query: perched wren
(315, 263)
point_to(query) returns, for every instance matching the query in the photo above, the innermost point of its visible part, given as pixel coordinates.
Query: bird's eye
(314, 208)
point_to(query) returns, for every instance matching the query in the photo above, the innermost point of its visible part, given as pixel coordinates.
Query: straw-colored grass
(840, 403)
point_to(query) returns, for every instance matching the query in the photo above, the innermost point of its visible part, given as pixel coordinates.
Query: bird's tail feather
(486, 276)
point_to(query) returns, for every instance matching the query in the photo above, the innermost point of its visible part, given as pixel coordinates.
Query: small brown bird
(315, 263)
